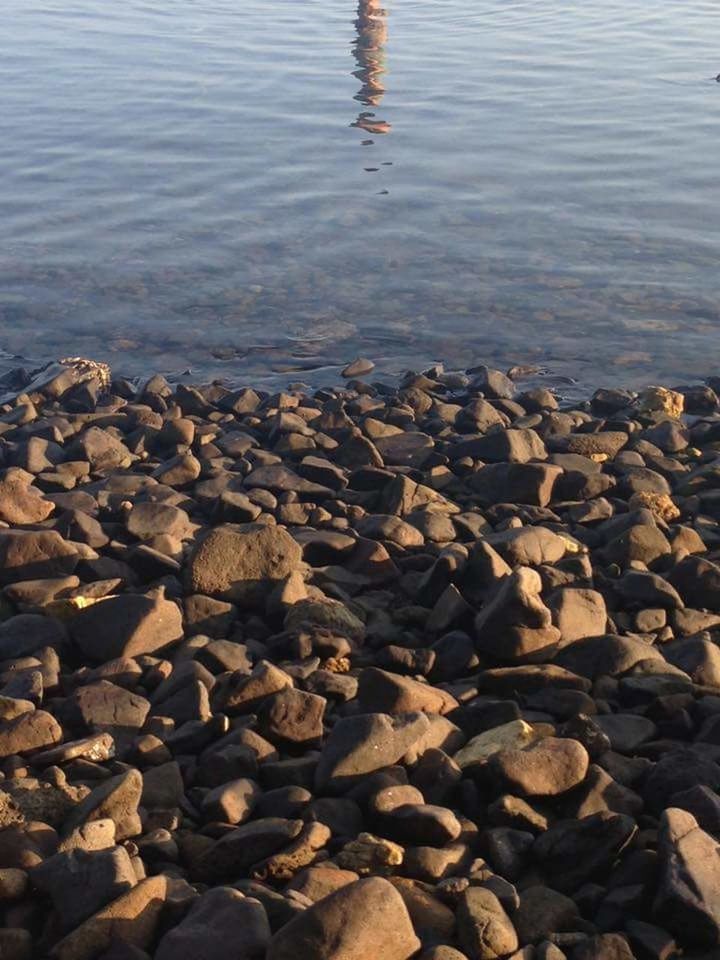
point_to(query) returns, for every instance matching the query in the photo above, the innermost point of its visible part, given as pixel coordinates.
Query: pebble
(421, 670)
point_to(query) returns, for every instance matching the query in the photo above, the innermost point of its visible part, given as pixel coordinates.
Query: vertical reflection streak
(369, 53)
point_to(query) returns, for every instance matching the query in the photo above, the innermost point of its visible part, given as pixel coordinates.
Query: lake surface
(263, 190)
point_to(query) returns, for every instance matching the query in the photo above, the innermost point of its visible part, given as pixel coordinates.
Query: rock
(368, 854)
(236, 852)
(420, 822)
(626, 731)
(442, 952)
(607, 946)
(13, 884)
(639, 542)
(16, 943)
(20, 501)
(599, 793)
(358, 368)
(608, 655)
(661, 400)
(281, 479)
(303, 851)
(659, 504)
(80, 882)
(529, 483)
(380, 691)
(104, 707)
(231, 802)
(364, 919)
(35, 555)
(577, 613)
(163, 787)
(608, 442)
(515, 735)
(507, 446)
(126, 626)
(244, 692)
(573, 852)
(101, 449)
(648, 589)
(28, 732)
(419, 631)
(390, 528)
(687, 901)
(132, 919)
(432, 920)
(221, 924)
(529, 546)
(148, 520)
(178, 471)
(697, 580)
(97, 747)
(515, 626)
(117, 799)
(704, 805)
(547, 768)
(292, 717)
(242, 563)
(493, 383)
(328, 613)
(27, 633)
(700, 659)
(544, 911)
(318, 882)
(405, 449)
(484, 929)
(360, 745)
(676, 772)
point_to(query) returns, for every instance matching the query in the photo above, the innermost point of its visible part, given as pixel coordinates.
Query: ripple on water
(184, 183)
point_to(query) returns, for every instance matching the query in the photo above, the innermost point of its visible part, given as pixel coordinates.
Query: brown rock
(362, 920)
(242, 563)
(547, 768)
(35, 555)
(20, 502)
(28, 732)
(131, 919)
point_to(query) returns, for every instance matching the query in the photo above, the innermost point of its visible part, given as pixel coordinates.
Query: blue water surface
(262, 190)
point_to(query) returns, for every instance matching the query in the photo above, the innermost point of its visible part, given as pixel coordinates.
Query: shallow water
(268, 188)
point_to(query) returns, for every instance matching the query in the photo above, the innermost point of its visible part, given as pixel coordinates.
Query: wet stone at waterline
(397, 669)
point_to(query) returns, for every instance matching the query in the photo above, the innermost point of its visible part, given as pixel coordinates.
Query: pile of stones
(425, 670)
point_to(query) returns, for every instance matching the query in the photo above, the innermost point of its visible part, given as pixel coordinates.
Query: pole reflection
(369, 53)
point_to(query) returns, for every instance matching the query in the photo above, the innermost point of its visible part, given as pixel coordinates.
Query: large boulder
(484, 928)
(365, 919)
(20, 501)
(688, 896)
(547, 768)
(360, 745)
(35, 555)
(131, 919)
(222, 924)
(126, 626)
(242, 563)
(28, 732)
(515, 626)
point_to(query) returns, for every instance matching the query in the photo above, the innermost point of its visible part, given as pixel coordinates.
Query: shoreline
(420, 670)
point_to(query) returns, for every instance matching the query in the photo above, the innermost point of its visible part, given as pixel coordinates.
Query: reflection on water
(179, 187)
(369, 52)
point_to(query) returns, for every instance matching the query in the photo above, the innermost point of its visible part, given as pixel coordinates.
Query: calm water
(270, 187)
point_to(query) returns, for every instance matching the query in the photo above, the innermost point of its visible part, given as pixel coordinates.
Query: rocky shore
(425, 670)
